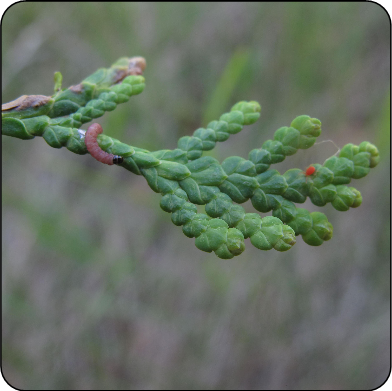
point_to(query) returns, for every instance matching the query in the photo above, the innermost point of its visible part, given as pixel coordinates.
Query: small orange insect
(310, 171)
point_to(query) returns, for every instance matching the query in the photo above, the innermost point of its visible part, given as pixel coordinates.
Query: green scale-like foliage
(58, 118)
(185, 178)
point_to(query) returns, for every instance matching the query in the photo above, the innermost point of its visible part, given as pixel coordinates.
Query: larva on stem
(95, 151)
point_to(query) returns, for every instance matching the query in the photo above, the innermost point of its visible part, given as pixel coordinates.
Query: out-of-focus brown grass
(102, 291)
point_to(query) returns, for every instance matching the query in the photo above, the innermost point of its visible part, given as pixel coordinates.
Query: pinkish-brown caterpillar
(96, 152)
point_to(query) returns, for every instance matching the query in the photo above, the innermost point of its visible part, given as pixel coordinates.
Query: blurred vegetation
(102, 291)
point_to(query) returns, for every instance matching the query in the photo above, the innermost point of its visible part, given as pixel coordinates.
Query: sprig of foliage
(185, 178)
(57, 118)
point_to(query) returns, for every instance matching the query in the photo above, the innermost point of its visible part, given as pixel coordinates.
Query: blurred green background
(102, 291)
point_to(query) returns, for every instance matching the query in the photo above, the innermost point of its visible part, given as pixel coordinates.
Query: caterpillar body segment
(94, 149)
